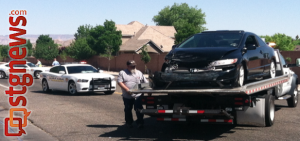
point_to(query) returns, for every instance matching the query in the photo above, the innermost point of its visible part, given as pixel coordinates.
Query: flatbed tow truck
(251, 104)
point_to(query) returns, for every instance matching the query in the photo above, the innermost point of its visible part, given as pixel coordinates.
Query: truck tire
(2, 74)
(269, 110)
(293, 100)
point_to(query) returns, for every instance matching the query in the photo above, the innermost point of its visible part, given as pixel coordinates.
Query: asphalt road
(88, 117)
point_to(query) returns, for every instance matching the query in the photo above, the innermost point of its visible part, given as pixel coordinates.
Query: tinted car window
(22, 66)
(31, 64)
(282, 59)
(81, 69)
(213, 40)
(251, 40)
(61, 68)
(54, 69)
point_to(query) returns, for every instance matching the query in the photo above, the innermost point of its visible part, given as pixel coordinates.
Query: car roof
(224, 31)
(67, 65)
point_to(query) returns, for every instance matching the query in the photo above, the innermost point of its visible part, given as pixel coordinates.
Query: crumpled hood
(199, 54)
(91, 75)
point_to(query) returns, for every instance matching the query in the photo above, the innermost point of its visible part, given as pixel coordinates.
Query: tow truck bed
(247, 89)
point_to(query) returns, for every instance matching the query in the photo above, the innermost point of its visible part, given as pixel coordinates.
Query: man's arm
(121, 84)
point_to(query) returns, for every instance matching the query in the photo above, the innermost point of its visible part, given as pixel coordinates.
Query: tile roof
(160, 37)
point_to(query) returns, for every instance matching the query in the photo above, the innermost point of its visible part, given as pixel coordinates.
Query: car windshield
(213, 40)
(31, 65)
(81, 69)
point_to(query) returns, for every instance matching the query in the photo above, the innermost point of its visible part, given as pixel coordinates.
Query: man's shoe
(129, 125)
(140, 126)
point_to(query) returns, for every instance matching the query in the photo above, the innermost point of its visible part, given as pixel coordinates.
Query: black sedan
(220, 58)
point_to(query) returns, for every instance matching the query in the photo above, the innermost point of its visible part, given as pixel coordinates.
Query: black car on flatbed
(217, 58)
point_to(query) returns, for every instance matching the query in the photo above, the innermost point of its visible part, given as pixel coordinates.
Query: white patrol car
(77, 78)
(30, 68)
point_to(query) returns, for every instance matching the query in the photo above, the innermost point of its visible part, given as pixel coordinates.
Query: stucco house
(159, 39)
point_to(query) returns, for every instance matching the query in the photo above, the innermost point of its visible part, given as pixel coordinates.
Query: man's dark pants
(129, 103)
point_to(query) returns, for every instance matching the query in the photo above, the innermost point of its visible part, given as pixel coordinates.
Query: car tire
(109, 92)
(269, 110)
(240, 80)
(37, 74)
(272, 71)
(45, 86)
(72, 88)
(293, 100)
(2, 75)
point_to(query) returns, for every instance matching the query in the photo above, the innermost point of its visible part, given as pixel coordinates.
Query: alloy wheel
(72, 88)
(241, 76)
(272, 70)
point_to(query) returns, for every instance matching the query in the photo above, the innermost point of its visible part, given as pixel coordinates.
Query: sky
(263, 17)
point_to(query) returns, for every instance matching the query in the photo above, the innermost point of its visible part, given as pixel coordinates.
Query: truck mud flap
(252, 115)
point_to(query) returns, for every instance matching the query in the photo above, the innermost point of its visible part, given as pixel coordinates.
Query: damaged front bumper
(220, 77)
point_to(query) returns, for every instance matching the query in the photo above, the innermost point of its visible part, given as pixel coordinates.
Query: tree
(297, 37)
(107, 36)
(145, 57)
(108, 55)
(283, 42)
(4, 51)
(63, 55)
(45, 48)
(83, 31)
(80, 50)
(29, 47)
(186, 20)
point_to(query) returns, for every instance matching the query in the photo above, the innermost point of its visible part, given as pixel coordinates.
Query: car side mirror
(62, 72)
(174, 46)
(298, 62)
(100, 71)
(250, 46)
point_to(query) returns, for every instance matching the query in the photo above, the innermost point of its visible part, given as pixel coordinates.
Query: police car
(30, 69)
(76, 78)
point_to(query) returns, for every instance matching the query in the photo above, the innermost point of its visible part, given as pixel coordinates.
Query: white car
(30, 68)
(77, 78)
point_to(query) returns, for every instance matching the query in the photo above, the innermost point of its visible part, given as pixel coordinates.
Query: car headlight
(82, 80)
(223, 62)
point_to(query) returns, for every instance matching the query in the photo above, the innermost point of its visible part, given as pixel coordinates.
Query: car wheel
(2, 74)
(293, 100)
(269, 110)
(45, 86)
(109, 92)
(239, 81)
(272, 72)
(37, 74)
(72, 88)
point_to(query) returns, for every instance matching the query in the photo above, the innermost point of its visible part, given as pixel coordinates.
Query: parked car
(222, 58)
(78, 78)
(30, 68)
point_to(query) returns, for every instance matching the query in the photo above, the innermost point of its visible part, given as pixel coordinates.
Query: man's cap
(131, 63)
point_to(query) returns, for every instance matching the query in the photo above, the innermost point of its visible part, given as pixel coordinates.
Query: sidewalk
(33, 133)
